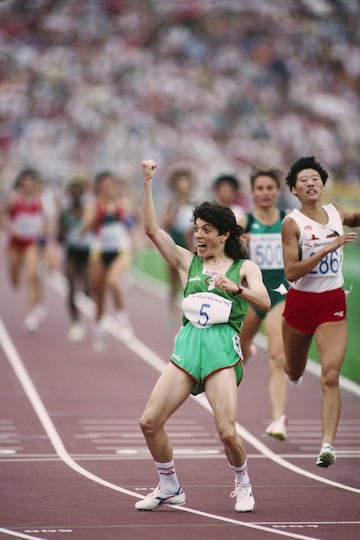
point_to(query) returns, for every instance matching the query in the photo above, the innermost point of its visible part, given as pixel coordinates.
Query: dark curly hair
(307, 162)
(223, 219)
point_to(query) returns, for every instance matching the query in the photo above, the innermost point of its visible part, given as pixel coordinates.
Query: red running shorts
(305, 311)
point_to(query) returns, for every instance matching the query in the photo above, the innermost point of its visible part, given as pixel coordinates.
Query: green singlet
(266, 251)
(209, 339)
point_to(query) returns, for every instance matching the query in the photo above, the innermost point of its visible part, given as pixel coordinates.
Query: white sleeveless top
(327, 274)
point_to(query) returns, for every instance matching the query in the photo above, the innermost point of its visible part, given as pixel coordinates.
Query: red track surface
(73, 460)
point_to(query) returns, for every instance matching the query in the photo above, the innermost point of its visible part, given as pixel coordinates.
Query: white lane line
(256, 443)
(20, 535)
(304, 523)
(54, 437)
(150, 357)
(157, 363)
(249, 525)
(140, 452)
(34, 398)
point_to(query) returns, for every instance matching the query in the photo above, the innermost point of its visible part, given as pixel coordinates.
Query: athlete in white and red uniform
(315, 305)
(24, 222)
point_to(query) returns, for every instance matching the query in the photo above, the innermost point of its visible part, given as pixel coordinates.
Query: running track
(73, 461)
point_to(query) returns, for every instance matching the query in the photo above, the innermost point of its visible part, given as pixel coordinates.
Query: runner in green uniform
(218, 283)
(262, 227)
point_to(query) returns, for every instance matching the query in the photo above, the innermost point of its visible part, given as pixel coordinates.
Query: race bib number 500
(266, 251)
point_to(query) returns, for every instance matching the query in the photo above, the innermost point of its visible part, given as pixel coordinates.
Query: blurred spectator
(226, 188)
(221, 84)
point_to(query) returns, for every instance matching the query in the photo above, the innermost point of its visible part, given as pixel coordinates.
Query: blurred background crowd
(93, 84)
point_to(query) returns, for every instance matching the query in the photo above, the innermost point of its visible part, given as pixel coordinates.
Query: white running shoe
(157, 497)
(40, 312)
(277, 428)
(245, 501)
(126, 329)
(77, 332)
(31, 322)
(34, 318)
(99, 339)
(326, 456)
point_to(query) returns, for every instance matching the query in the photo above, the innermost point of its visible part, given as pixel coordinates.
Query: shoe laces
(158, 493)
(327, 446)
(326, 449)
(239, 490)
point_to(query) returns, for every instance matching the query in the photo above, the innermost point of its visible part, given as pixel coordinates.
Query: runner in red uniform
(313, 240)
(24, 222)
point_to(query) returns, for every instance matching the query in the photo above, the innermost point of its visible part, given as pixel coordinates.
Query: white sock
(241, 475)
(122, 316)
(167, 474)
(294, 382)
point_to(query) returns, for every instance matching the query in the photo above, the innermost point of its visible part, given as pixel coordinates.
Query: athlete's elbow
(266, 304)
(293, 276)
(263, 303)
(150, 232)
(151, 229)
(290, 273)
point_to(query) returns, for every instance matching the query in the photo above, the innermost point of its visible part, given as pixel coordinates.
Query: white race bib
(204, 309)
(76, 239)
(114, 237)
(330, 265)
(266, 251)
(28, 225)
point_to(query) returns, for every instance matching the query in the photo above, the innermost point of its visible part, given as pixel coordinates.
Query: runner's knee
(330, 379)
(228, 435)
(277, 361)
(149, 425)
(112, 284)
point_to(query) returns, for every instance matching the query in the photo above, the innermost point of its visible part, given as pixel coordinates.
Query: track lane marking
(55, 439)
(150, 357)
(20, 535)
(153, 359)
(58, 282)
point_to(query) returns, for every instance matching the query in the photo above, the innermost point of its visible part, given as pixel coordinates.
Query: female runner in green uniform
(262, 229)
(218, 283)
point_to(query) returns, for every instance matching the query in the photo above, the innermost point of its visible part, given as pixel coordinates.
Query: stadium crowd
(104, 83)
